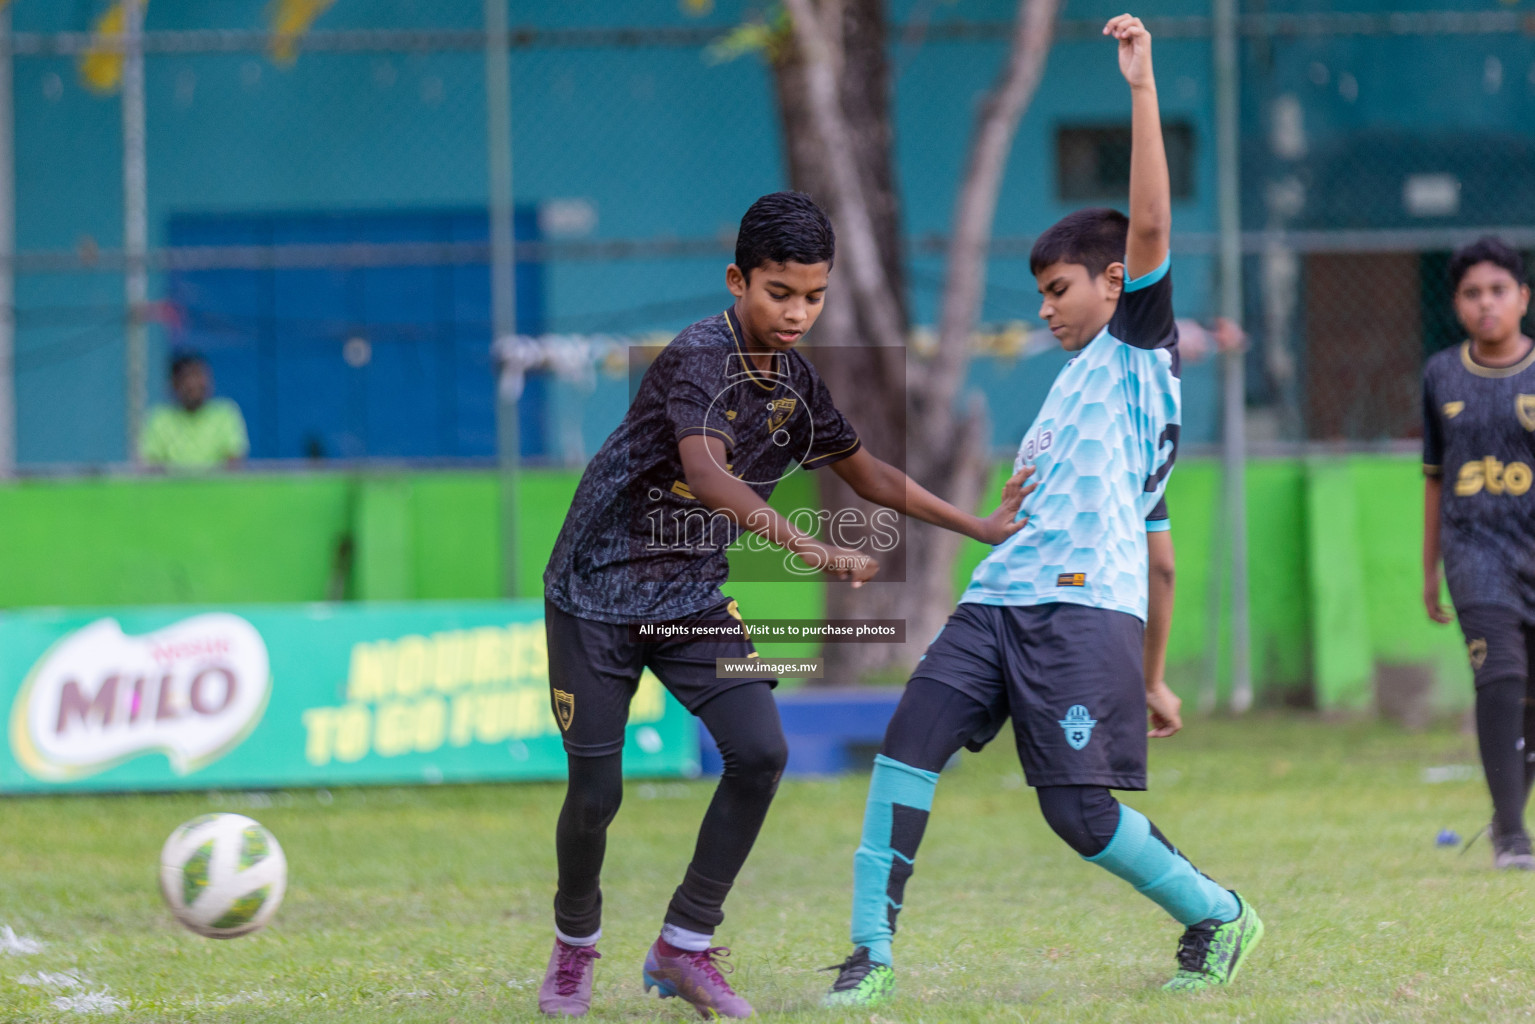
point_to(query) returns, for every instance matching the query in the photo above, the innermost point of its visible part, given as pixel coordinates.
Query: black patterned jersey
(1479, 437)
(636, 545)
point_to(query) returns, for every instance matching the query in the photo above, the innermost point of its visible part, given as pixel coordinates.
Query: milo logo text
(98, 697)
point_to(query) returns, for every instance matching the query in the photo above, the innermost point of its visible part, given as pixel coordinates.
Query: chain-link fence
(317, 221)
(1381, 143)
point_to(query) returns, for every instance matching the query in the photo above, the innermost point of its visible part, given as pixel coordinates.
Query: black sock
(1500, 715)
(1529, 738)
(592, 796)
(698, 904)
(745, 726)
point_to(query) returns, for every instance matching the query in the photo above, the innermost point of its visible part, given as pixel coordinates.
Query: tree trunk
(832, 81)
(867, 384)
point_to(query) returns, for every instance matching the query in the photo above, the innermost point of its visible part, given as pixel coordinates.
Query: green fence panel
(1341, 649)
(1334, 597)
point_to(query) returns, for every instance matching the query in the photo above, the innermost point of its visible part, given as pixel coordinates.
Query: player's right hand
(1436, 611)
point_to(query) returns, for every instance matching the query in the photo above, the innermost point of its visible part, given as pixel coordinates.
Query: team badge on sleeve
(1078, 725)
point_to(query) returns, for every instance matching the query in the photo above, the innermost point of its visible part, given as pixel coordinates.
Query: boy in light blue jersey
(1064, 625)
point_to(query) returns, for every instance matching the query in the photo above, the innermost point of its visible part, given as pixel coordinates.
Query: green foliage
(432, 904)
(765, 37)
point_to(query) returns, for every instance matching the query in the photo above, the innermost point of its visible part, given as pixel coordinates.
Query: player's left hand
(1003, 522)
(1134, 49)
(1162, 707)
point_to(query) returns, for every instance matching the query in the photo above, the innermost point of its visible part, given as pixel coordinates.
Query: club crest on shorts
(1078, 725)
(1476, 650)
(564, 709)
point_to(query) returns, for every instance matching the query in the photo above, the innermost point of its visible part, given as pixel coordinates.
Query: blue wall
(414, 385)
(662, 141)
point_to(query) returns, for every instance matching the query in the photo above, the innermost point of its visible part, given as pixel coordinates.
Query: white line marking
(48, 979)
(17, 945)
(91, 1002)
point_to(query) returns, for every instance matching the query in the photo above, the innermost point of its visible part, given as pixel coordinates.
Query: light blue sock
(1163, 875)
(900, 798)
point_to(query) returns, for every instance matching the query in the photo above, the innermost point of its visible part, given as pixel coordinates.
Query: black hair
(1487, 249)
(784, 227)
(1094, 237)
(185, 359)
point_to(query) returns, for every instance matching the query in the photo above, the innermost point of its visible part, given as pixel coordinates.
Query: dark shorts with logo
(1069, 676)
(595, 668)
(1500, 641)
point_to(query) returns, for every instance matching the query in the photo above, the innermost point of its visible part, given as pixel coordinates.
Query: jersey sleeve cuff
(1429, 470)
(682, 432)
(1158, 525)
(1135, 284)
(828, 458)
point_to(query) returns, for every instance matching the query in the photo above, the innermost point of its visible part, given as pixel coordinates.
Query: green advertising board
(297, 695)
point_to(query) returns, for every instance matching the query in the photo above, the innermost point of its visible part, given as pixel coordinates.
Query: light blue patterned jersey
(1102, 447)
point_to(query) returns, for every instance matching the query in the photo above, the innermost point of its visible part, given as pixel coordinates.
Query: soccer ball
(223, 875)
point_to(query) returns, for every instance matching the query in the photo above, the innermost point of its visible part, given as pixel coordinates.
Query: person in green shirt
(198, 432)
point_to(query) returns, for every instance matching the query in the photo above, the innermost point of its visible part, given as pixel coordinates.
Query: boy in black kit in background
(718, 419)
(1479, 515)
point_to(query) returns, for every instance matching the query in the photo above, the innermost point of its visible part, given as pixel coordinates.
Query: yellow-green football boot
(1211, 952)
(861, 982)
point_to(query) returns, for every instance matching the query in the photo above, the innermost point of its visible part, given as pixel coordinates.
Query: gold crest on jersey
(780, 409)
(1453, 409)
(1524, 405)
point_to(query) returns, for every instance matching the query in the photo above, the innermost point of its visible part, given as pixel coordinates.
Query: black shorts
(1069, 676)
(595, 667)
(1500, 642)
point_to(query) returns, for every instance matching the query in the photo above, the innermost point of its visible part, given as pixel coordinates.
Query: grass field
(433, 904)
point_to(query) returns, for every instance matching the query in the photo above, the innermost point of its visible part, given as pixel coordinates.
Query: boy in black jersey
(1479, 516)
(719, 417)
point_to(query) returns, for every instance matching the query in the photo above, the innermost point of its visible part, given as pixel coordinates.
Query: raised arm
(1150, 192)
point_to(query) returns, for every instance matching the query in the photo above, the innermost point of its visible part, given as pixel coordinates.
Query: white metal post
(1228, 178)
(7, 253)
(503, 268)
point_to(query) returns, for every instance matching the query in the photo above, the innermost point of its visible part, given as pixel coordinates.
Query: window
(1092, 162)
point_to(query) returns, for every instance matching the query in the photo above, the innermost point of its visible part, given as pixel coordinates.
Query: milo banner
(186, 698)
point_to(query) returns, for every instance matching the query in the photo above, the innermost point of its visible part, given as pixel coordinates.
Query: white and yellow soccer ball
(223, 875)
